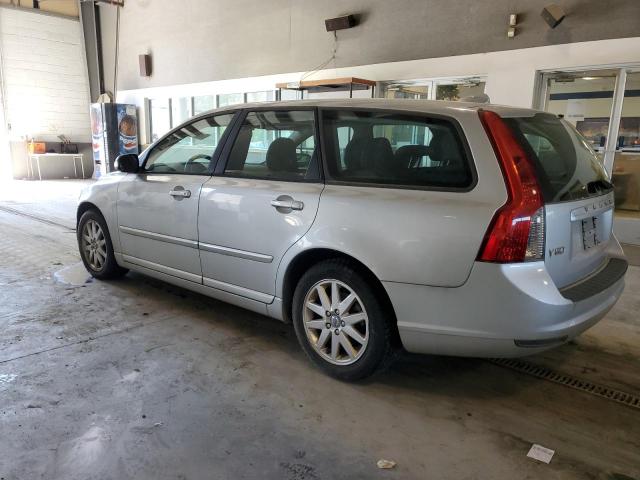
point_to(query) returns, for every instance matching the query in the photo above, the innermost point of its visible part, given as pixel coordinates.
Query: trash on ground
(540, 453)
(386, 464)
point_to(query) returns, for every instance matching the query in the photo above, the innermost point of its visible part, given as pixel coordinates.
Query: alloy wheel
(335, 322)
(94, 245)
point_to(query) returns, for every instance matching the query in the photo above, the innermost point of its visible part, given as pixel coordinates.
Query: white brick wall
(45, 81)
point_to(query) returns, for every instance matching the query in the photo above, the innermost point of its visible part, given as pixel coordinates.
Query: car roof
(441, 107)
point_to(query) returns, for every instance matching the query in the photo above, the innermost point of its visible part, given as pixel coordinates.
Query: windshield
(567, 167)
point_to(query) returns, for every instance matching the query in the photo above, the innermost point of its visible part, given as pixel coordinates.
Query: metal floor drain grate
(545, 373)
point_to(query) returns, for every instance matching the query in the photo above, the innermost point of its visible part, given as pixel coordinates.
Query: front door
(158, 207)
(262, 200)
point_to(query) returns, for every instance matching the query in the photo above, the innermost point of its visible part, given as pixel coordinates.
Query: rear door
(578, 196)
(158, 207)
(402, 195)
(262, 199)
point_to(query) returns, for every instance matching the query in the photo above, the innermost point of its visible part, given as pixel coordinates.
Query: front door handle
(179, 193)
(286, 204)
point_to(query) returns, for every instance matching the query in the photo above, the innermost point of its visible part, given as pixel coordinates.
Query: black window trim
(216, 153)
(423, 116)
(243, 112)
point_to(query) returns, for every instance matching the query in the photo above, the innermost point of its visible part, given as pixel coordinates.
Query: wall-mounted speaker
(340, 23)
(145, 65)
(553, 14)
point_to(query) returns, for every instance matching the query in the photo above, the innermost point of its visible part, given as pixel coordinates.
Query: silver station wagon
(440, 227)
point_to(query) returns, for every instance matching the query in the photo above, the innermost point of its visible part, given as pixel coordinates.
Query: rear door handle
(180, 192)
(285, 204)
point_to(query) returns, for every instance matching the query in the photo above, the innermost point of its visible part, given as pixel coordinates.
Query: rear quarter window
(390, 149)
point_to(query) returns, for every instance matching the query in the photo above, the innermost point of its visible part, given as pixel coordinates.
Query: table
(63, 156)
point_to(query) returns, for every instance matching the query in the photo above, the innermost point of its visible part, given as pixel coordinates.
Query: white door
(158, 207)
(264, 200)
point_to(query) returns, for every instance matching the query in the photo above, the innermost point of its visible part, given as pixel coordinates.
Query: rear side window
(394, 149)
(567, 167)
(275, 145)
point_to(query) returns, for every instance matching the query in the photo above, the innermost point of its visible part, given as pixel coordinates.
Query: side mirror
(128, 163)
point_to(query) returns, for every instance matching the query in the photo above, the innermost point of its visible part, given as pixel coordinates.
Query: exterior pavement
(137, 379)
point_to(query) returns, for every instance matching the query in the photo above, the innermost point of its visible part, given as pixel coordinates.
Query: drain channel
(544, 373)
(35, 217)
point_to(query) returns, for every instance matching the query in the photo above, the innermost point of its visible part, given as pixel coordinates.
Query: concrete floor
(137, 379)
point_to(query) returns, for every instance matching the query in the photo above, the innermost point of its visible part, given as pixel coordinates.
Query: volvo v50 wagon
(444, 228)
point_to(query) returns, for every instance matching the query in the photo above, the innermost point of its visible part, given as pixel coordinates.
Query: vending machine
(114, 130)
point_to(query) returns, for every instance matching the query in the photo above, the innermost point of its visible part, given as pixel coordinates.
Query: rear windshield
(568, 168)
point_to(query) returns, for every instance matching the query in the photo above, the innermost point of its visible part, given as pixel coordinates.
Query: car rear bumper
(502, 310)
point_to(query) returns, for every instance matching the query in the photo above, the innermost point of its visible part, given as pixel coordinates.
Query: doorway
(604, 105)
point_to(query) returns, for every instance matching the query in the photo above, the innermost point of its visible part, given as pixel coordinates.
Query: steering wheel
(188, 166)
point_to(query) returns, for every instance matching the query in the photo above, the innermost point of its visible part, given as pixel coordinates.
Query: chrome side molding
(233, 252)
(159, 236)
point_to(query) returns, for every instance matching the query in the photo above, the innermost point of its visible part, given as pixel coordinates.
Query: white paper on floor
(540, 453)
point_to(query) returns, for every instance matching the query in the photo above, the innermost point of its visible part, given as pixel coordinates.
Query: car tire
(96, 249)
(353, 342)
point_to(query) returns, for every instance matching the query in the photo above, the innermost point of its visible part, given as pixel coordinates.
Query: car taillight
(516, 233)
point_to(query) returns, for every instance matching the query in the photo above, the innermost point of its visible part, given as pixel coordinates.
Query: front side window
(189, 149)
(395, 149)
(277, 145)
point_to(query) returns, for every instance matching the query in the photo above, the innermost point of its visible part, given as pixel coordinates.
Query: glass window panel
(585, 102)
(626, 166)
(275, 145)
(459, 90)
(189, 149)
(629, 133)
(160, 118)
(415, 92)
(286, 94)
(203, 104)
(226, 99)
(266, 96)
(180, 110)
(393, 149)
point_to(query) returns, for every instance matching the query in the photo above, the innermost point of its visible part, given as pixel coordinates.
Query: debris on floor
(540, 453)
(386, 464)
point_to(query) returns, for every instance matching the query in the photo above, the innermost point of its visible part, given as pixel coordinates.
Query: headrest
(380, 155)
(444, 147)
(281, 155)
(355, 154)
(408, 154)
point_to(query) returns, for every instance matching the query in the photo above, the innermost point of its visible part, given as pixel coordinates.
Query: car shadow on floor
(471, 376)
(451, 376)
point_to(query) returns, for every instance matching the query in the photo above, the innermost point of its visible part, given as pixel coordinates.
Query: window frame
(424, 117)
(221, 165)
(215, 156)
